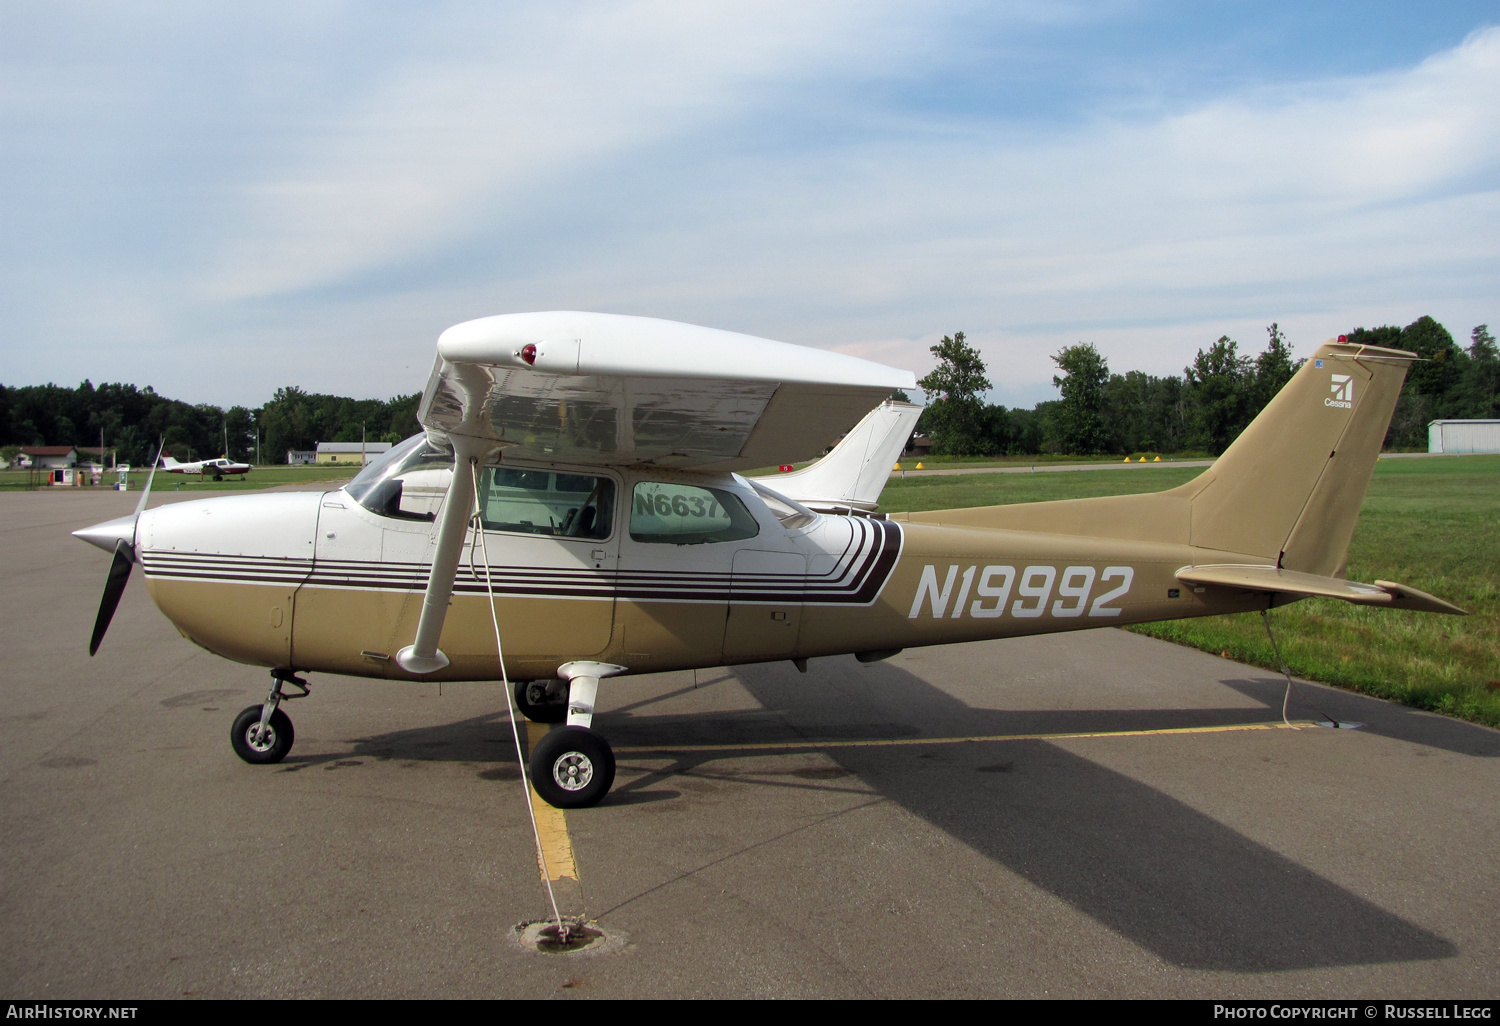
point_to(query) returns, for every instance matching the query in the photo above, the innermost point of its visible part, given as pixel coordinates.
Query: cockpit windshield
(407, 483)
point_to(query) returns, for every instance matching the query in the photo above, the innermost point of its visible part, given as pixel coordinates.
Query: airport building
(1463, 436)
(350, 452)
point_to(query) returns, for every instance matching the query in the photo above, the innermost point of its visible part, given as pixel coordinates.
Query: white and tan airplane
(578, 497)
(218, 468)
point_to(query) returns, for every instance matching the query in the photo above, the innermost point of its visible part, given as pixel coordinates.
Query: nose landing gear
(262, 733)
(542, 701)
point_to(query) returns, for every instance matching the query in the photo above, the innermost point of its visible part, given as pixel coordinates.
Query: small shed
(1463, 436)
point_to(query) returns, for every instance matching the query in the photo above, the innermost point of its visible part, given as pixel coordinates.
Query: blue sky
(219, 201)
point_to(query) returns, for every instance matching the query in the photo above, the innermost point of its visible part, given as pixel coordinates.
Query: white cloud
(445, 146)
(752, 167)
(1328, 204)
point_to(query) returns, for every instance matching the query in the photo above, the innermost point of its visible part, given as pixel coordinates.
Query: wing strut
(423, 654)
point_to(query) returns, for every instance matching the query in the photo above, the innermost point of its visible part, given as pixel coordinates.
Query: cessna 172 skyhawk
(218, 468)
(598, 457)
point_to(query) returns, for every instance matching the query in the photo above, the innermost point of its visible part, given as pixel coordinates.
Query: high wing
(608, 389)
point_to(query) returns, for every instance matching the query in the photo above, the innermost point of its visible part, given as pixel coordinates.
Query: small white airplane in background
(218, 468)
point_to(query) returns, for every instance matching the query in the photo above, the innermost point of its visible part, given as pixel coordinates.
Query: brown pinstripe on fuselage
(353, 630)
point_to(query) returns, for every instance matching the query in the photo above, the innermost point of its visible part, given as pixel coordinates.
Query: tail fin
(1290, 486)
(168, 462)
(854, 473)
(1287, 491)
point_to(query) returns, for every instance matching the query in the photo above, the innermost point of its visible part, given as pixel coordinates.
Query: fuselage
(651, 570)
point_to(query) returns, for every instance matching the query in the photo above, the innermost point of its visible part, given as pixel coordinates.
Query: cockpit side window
(556, 503)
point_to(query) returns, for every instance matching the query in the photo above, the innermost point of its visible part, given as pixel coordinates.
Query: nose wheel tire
(272, 745)
(537, 705)
(572, 768)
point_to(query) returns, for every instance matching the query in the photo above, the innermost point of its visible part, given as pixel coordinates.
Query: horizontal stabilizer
(855, 472)
(1289, 582)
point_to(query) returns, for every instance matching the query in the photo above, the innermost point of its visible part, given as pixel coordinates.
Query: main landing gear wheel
(572, 768)
(272, 745)
(537, 705)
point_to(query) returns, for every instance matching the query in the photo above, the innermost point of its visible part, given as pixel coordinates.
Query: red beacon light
(528, 353)
(1343, 338)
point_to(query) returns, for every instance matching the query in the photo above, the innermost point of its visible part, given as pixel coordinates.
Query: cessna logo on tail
(1343, 391)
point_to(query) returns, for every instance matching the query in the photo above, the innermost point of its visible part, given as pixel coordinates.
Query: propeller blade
(146, 492)
(114, 587)
(119, 567)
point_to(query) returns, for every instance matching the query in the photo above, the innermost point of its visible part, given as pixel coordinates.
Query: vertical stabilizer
(855, 471)
(1290, 487)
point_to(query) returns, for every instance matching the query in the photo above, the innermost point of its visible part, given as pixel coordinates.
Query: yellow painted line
(891, 742)
(551, 826)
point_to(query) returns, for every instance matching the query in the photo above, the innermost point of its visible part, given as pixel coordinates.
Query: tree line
(135, 420)
(1202, 411)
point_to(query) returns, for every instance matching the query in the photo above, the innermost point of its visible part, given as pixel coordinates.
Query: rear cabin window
(546, 502)
(688, 515)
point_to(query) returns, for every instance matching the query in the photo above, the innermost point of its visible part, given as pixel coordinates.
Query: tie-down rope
(1265, 615)
(510, 705)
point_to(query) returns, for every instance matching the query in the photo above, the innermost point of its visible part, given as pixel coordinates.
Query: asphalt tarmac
(770, 833)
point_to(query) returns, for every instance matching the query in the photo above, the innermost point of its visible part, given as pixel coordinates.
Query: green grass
(1039, 460)
(260, 477)
(1431, 523)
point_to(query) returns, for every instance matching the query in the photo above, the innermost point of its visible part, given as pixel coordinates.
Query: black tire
(273, 745)
(572, 768)
(220, 477)
(535, 705)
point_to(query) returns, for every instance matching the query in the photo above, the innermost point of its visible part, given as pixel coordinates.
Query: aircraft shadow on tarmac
(1149, 867)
